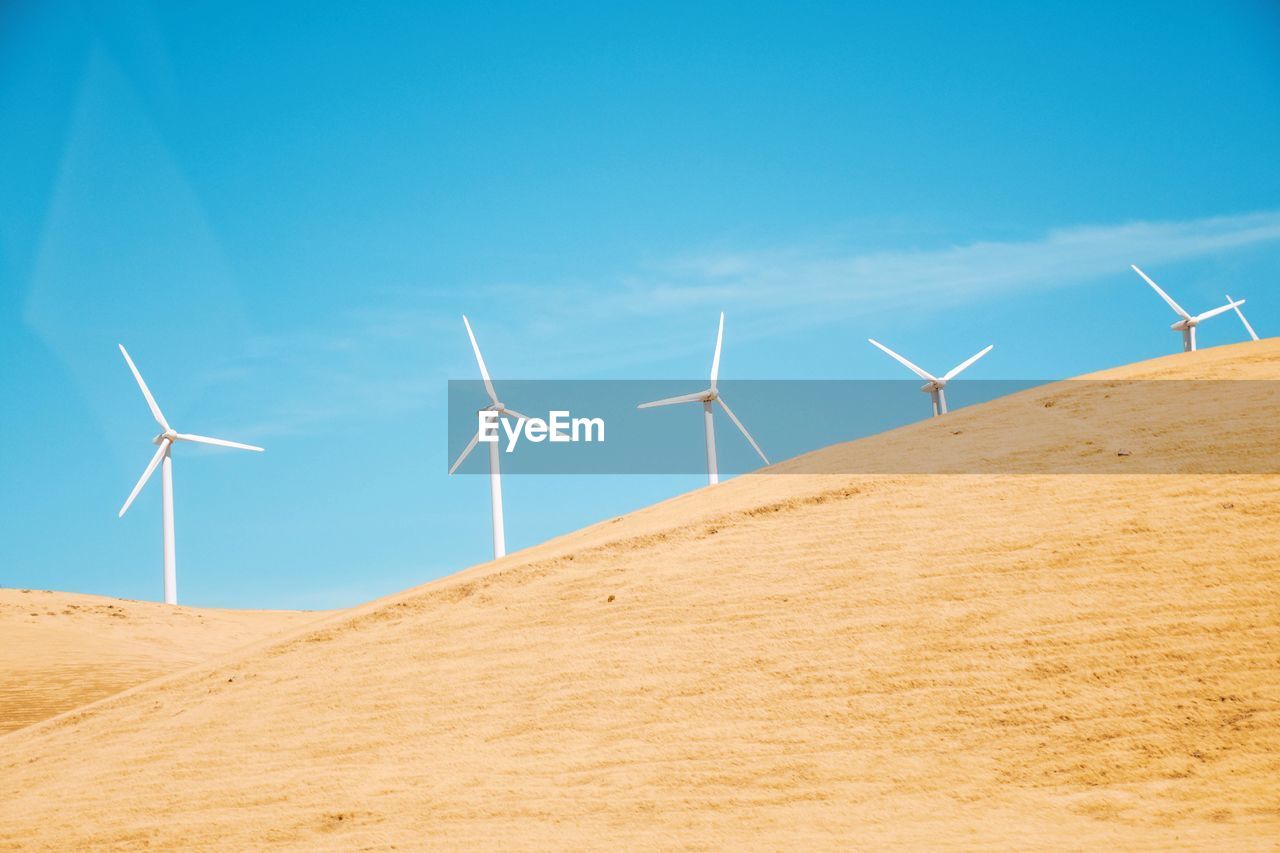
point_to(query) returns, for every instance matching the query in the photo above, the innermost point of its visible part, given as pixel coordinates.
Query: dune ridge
(62, 650)
(825, 661)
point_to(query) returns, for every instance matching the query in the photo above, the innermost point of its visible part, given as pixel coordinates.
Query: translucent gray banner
(804, 427)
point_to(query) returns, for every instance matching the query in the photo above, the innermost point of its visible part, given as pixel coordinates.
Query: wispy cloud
(781, 289)
(937, 277)
(562, 327)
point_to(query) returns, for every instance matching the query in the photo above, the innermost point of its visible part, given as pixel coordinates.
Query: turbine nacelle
(502, 410)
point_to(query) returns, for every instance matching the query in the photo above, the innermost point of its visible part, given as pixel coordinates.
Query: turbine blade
(515, 413)
(1240, 314)
(671, 401)
(728, 411)
(484, 371)
(146, 475)
(1216, 311)
(1166, 297)
(923, 374)
(146, 392)
(221, 442)
(715, 361)
(471, 445)
(964, 365)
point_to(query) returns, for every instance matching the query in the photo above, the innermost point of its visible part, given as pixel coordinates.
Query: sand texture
(806, 661)
(61, 650)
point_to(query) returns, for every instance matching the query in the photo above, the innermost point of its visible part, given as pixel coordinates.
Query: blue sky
(282, 210)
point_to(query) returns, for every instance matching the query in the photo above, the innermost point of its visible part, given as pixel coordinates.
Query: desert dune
(61, 650)
(805, 660)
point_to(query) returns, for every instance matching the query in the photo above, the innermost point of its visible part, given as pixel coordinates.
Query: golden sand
(808, 661)
(61, 650)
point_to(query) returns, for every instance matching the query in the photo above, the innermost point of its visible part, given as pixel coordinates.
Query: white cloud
(584, 330)
(945, 276)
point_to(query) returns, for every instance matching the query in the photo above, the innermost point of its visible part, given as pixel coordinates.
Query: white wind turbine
(1187, 325)
(706, 398)
(935, 384)
(163, 458)
(495, 477)
(1240, 314)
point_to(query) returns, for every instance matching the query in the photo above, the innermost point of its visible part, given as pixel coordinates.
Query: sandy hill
(815, 661)
(61, 650)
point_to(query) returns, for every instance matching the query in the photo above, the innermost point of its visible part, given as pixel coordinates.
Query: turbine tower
(935, 385)
(707, 398)
(495, 476)
(1187, 325)
(164, 458)
(1240, 314)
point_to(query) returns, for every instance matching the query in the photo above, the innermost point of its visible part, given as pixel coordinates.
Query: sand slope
(809, 661)
(61, 650)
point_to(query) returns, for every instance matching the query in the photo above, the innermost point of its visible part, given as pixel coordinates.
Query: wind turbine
(935, 384)
(706, 398)
(1187, 325)
(163, 458)
(1240, 314)
(495, 477)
